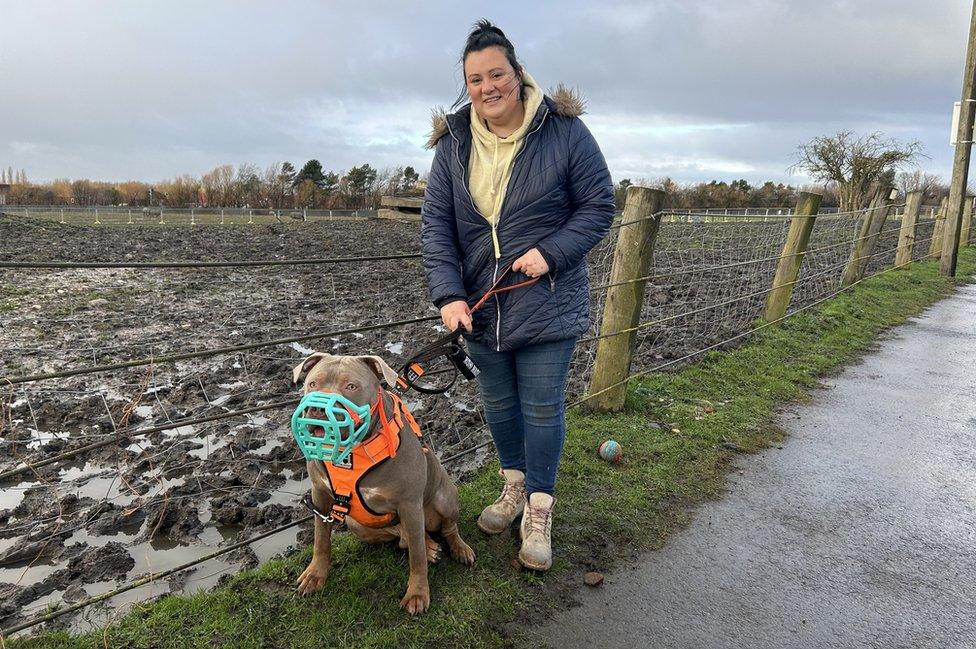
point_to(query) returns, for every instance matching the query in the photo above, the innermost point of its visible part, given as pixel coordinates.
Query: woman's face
(492, 85)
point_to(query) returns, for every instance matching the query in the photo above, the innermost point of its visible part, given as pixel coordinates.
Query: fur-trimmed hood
(562, 100)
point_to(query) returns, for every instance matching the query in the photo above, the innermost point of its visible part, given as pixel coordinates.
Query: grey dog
(413, 485)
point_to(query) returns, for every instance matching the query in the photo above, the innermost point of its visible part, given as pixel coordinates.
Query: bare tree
(217, 185)
(931, 185)
(856, 164)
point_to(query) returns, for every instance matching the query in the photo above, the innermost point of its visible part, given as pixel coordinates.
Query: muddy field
(148, 502)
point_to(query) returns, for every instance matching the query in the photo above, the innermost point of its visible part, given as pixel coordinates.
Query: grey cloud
(116, 90)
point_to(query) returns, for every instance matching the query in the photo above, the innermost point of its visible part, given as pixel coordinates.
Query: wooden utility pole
(622, 309)
(960, 162)
(790, 261)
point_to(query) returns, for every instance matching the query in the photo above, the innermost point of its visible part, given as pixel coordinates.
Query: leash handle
(450, 346)
(494, 290)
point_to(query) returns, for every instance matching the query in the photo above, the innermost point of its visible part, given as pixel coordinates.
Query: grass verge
(679, 433)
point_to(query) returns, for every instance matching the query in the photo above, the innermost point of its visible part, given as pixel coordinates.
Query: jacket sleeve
(438, 232)
(591, 191)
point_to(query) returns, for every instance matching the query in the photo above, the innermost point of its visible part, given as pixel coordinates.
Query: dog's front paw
(417, 599)
(462, 552)
(312, 580)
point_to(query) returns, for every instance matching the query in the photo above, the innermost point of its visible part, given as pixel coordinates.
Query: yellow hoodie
(492, 157)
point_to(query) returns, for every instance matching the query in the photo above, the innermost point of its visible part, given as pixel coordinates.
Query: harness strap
(383, 445)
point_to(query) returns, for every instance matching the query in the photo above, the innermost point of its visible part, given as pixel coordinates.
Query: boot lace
(511, 494)
(539, 519)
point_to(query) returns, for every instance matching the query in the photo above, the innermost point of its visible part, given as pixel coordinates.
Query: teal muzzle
(341, 425)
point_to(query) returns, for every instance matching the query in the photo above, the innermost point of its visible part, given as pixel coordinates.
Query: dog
(412, 485)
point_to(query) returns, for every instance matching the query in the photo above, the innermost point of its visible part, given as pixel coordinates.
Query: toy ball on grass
(611, 451)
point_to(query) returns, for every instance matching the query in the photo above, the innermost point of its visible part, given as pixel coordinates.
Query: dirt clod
(593, 579)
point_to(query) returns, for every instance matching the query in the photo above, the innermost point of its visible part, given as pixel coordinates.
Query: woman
(518, 186)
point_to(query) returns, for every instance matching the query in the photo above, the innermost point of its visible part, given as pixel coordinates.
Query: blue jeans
(524, 396)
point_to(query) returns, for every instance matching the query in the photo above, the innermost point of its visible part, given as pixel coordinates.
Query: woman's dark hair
(483, 36)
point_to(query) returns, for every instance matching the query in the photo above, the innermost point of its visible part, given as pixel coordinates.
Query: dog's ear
(306, 365)
(380, 369)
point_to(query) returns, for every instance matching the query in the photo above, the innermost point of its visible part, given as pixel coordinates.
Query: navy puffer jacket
(559, 200)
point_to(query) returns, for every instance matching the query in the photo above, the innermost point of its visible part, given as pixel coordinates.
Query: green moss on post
(967, 222)
(935, 248)
(906, 235)
(791, 259)
(867, 237)
(621, 311)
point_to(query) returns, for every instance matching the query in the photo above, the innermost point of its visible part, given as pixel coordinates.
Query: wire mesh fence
(161, 215)
(172, 438)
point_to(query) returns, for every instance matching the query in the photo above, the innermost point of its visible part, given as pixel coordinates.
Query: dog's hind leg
(446, 505)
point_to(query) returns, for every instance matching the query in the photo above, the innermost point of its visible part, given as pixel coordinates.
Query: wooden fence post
(632, 259)
(801, 225)
(935, 248)
(867, 238)
(967, 221)
(906, 235)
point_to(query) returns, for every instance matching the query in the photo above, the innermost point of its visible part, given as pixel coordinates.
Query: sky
(690, 89)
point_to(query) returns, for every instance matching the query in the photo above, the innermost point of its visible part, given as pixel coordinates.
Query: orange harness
(344, 480)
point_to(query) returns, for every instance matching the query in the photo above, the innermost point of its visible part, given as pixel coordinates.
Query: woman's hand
(455, 314)
(531, 263)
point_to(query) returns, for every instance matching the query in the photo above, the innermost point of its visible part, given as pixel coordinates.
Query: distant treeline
(281, 186)
(740, 193)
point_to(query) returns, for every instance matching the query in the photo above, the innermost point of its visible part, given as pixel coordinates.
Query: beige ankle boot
(496, 517)
(536, 552)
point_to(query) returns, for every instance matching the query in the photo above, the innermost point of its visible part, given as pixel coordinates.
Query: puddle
(180, 430)
(99, 540)
(267, 548)
(25, 576)
(211, 442)
(143, 412)
(12, 496)
(109, 487)
(301, 349)
(73, 472)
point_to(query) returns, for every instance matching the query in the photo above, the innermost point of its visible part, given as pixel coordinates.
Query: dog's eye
(352, 386)
(311, 384)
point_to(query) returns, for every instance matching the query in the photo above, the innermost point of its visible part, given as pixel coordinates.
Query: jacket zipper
(498, 304)
(464, 181)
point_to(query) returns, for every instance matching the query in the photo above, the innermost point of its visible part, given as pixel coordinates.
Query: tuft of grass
(679, 432)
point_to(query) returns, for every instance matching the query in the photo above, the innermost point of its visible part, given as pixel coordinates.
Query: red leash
(494, 290)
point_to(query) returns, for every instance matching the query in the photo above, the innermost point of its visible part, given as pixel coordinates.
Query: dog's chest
(376, 497)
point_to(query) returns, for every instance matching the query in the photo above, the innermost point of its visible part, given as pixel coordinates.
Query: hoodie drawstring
(494, 202)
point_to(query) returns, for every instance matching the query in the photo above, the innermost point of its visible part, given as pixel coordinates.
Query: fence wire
(196, 452)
